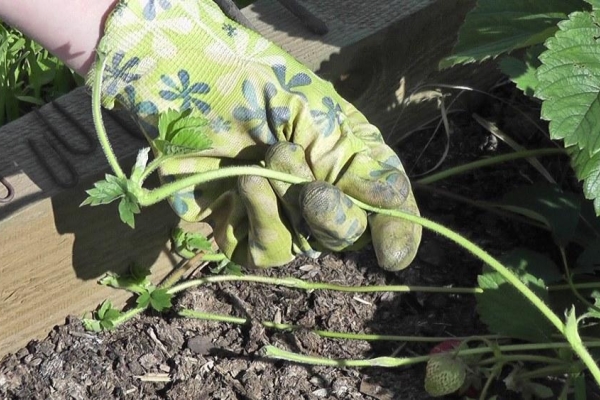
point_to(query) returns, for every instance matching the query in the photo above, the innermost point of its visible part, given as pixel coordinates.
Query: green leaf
(569, 85)
(505, 310)
(136, 281)
(587, 169)
(227, 267)
(494, 27)
(103, 319)
(180, 133)
(591, 311)
(523, 72)
(188, 244)
(143, 299)
(106, 191)
(90, 324)
(548, 204)
(160, 299)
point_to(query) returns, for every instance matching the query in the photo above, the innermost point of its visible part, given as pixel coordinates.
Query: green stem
(127, 315)
(521, 357)
(551, 370)
(97, 116)
(310, 286)
(323, 333)
(566, 286)
(161, 193)
(506, 274)
(391, 362)
(488, 162)
(571, 284)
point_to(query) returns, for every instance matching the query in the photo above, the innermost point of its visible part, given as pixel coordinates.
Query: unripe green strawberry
(445, 374)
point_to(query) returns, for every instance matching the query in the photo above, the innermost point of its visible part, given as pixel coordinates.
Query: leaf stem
(161, 193)
(461, 169)
(392, 362)
(506, 274)
(310, 286)
(551, 370)
(97, 117)
(323, 333)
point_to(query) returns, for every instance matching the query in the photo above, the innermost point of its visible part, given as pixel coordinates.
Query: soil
(168, 357)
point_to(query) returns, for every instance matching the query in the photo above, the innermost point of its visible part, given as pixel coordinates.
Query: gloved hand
(263, 108)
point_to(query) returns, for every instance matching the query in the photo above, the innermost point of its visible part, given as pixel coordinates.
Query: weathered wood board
(52, 251)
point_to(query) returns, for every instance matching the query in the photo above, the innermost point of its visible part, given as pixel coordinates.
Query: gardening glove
(262, 108)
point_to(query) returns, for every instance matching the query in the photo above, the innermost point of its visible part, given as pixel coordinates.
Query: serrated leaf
(143, 300)
(593, 312)
(104, 307)
(188, 244)
(587, 169)
(495, 27)
(569, 85)
(505, 310)
(127, 210)
(548, 204)
(181, 133)
(105, 191)
(136, 281)
(92, 325)
(523, 71)
(160, 299)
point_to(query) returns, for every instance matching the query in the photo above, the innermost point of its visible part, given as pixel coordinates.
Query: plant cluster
(524, 296)
(556, 58)
(29, 75)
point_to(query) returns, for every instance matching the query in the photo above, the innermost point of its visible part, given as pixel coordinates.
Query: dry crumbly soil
(168, 357)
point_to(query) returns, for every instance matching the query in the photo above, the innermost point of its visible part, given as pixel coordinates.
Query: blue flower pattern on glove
(220, 125)
(150, 8)
(117, 73)
(327, 118)
(298, 80)
(269, 117)
(143, 108)
(185, 91)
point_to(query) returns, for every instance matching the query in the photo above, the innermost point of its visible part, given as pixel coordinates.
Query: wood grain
(52, 251)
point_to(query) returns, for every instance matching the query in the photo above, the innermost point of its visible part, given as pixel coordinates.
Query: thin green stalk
(97, 116)
(580, 286)
(310, 286)
(392, 362)
(176, 275)
(552, 370)
(127, 315)
(323, 333)
(461, 169)
(522, 357)
(569, 278)
(506, 274)
(154, 196)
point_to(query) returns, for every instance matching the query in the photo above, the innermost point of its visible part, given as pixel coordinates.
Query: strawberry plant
(558, 63)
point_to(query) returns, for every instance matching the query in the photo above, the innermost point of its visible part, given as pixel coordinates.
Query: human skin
(69, 29)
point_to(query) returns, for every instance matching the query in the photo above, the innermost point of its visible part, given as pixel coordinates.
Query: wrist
(69, 29)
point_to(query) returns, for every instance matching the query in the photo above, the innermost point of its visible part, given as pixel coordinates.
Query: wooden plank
(52, 251)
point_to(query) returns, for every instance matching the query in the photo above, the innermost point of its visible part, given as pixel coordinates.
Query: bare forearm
(70, 29)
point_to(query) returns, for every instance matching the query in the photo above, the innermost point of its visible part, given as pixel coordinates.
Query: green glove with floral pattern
(263, 108)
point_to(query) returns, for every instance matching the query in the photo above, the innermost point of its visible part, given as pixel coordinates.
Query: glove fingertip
(395, 240)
